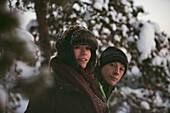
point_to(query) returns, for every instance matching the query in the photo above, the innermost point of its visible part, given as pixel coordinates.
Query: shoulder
(63, 85)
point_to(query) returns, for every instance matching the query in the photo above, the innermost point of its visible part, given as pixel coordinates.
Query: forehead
(117, 63)
(81, 45)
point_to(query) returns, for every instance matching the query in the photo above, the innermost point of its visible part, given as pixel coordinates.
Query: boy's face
(112, 72)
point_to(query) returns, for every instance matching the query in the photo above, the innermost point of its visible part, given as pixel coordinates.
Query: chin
(83, 67)
(112, 84)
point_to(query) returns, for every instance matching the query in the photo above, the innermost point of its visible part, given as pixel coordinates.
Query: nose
(83, 51)
(116, 70)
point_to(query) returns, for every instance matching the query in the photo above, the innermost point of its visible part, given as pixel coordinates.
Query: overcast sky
(158, 11)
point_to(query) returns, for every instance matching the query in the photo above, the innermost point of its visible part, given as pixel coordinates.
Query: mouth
(83, 62)
(113, 78)
(82, 59)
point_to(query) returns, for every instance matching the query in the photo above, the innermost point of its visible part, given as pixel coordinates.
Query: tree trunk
(41, 11)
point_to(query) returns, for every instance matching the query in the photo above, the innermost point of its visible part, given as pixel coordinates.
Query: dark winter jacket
(74, 92)
(102, 84)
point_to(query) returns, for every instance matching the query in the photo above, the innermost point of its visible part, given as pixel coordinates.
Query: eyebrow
(116, 63)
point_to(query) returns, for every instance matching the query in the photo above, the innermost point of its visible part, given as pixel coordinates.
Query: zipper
(103, 93)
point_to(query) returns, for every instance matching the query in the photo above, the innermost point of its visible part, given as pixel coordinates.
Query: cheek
(76, 53)
(105, 72)
(120, 76)
(89, 53)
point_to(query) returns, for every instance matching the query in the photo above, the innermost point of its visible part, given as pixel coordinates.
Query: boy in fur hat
(75, 90)
(111, 67)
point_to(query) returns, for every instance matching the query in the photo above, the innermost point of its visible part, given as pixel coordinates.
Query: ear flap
(61, 44)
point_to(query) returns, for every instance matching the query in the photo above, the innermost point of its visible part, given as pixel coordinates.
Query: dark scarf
(85, 82)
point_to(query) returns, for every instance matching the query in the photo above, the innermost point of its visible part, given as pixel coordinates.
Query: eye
(88, 48)
(112, 65)
(76, 47)
(122, 68)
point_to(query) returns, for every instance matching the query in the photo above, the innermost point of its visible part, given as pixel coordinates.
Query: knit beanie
(113, 54)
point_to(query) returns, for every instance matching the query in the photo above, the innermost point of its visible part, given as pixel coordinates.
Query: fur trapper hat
(76, 35)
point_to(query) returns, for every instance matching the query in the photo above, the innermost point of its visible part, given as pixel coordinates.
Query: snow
(25, 18)
(157, 60)
(32, 22)
(119, 17)
(22, 104)
(86, 1)
(124, 30)
(99, 42)
(82, 23)
(126, 2)
(132, 19)
(168, 57)
(117, 38)
(24, 34)
(87, 16)
(76, 7)
(135, 71)
(105, 4)
(106, 31)
(3, 98)
(146, 42)
(110, 43)
(142, 94)
(27, 71)
(129, 56)
(156, 27)
(125, 108)
(131, 39)
(113, 13)
(123, 49)
(162, 60)
(106, 19)
(145, 105)
(98, 4)
(73, 16)
(113, 26)
(126, 53)
(139, 94)
(128, 9)
(98, 26)
(158, 101)
(96, 33)
(103, 48)
(27, 37)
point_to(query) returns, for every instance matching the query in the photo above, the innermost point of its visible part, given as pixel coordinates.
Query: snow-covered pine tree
(145, 88)
(17, 50)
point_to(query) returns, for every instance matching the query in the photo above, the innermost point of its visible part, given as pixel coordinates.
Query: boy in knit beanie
(110, 68)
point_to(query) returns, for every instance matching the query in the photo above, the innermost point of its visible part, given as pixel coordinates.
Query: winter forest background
(24, 54)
